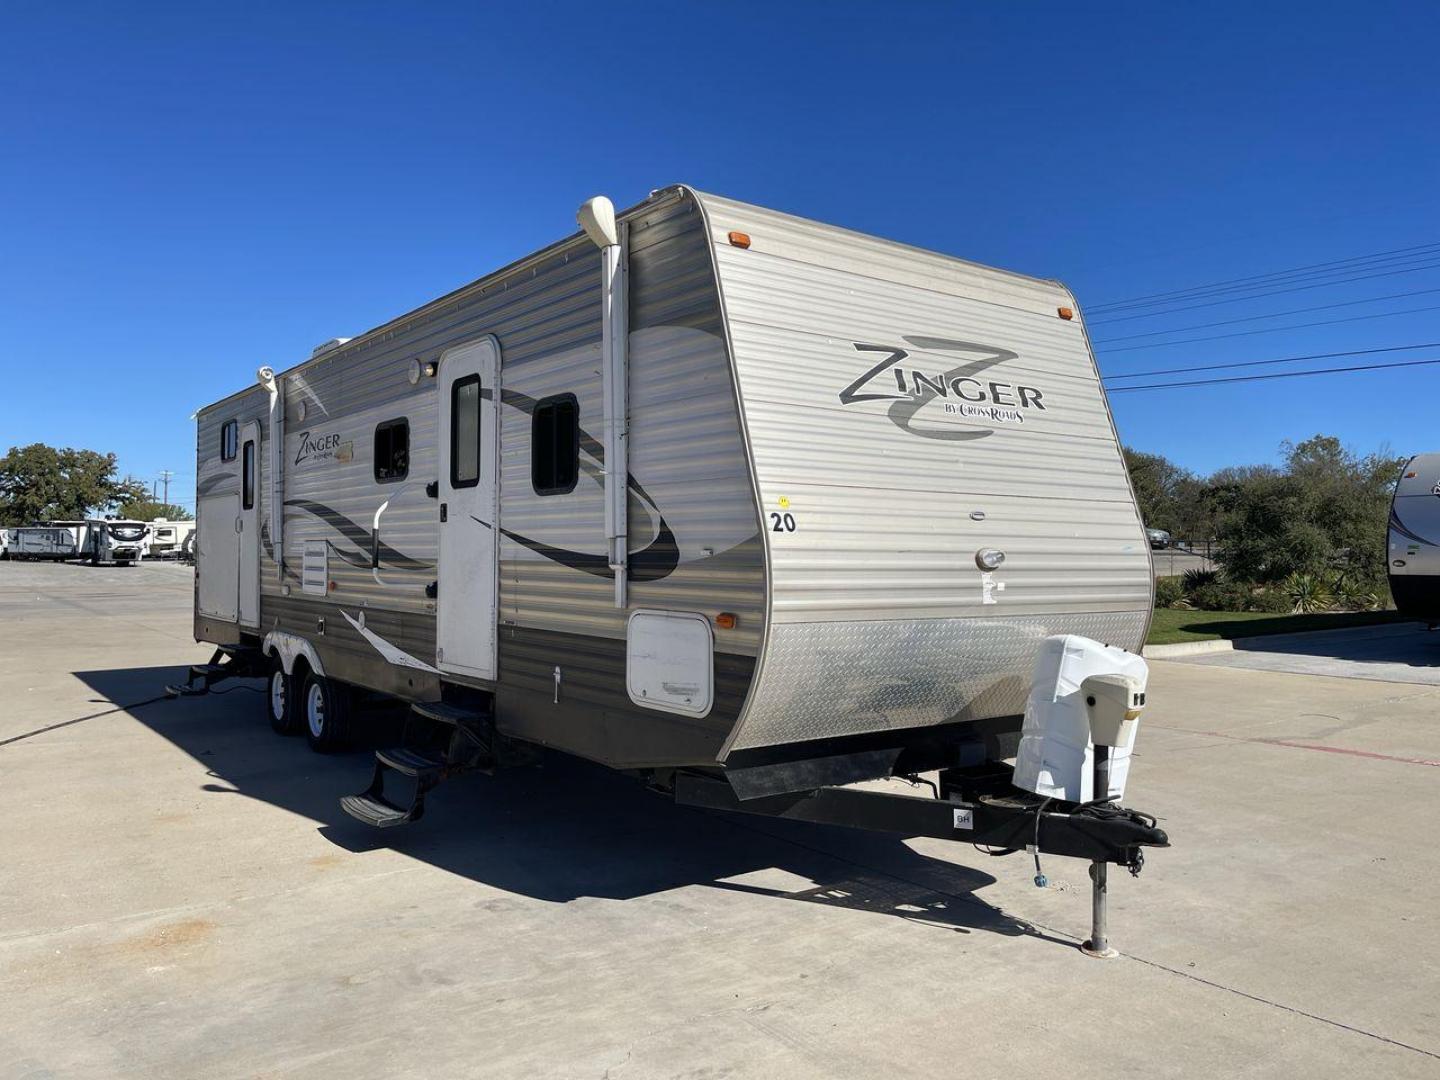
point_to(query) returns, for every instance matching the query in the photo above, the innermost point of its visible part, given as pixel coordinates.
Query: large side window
(465, 432)
(229, 439)
(555, 445)
(392, 450)
(247, 476)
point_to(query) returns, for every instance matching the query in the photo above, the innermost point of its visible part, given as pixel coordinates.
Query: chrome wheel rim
(277, 695)
(315, 710)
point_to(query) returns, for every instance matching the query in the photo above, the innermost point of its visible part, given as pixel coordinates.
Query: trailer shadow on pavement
(558, 832)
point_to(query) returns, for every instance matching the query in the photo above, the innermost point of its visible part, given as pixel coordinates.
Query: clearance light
(726, 620)
(739, 239)
(1065, 312)
(1409, 476)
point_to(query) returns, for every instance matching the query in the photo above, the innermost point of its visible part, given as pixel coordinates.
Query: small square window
(392, 450)
(229, 440)
(555, 445)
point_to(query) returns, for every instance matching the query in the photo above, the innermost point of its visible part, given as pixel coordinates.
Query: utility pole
(165, 475)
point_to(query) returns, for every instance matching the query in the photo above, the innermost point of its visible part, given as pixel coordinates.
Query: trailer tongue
(1061, 798)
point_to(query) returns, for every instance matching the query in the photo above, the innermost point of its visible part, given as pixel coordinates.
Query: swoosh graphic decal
(390, 651)
(1399, 526)
(655, 561)
(358, 535)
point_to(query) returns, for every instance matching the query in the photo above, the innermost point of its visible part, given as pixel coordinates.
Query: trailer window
(392, 450)
(229, 439)
(465, 432)
(247, 476)
(555, 445)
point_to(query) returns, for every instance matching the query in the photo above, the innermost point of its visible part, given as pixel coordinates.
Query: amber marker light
(1409, 476)
(726, 620)
(739, 239)
(1065, 312)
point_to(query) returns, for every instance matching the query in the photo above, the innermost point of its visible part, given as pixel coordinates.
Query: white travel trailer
(4, 543)
(42, 542)
(1414, 539)
(168, 538)
(744, 503)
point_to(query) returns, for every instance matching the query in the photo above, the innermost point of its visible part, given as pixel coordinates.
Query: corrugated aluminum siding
(687, 463)
(877, 615)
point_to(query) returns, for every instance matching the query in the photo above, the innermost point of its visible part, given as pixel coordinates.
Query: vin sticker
(964, 819)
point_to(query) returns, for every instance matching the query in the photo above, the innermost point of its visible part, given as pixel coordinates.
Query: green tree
(39, 482)
(148, 510)
(1158, 482)
(1324, 514)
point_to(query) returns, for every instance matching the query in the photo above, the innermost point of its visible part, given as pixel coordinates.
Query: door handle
(239, 524)
(444, 511)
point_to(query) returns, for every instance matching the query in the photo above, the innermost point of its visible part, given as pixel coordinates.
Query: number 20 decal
(782, 522)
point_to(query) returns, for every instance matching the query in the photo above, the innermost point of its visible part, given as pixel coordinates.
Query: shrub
(1308, 593)
(1272, 601)
(1222, 596)
(1199, 579)
(1168, 592)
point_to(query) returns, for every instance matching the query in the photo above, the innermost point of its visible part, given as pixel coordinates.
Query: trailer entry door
(469, 509)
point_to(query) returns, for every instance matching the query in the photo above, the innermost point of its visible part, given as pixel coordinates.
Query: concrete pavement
(181, 897)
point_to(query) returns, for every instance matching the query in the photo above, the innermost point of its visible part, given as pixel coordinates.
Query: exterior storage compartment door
(217, 556)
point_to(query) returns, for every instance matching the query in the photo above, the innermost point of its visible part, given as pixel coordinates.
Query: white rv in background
(168, 539)
(744, 504)
(121, 542)
(43, 542)
(1413, 543)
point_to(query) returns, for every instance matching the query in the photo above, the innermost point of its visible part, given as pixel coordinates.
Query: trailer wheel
(325, 705)
(280, 702)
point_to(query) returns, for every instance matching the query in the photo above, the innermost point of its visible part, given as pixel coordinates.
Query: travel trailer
(1414, 539)
(42, 542)
(750, 506)
(121, 542)
(168, 538)
(4, 543)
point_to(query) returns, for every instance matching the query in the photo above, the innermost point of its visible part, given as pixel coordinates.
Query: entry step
(421, 764)
(378, 811)
(446, 713)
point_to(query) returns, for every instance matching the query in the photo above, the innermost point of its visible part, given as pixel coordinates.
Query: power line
(1270, 292)
(1267, 330)
(1275, 375)
(1279, 360)
(1276, 315)
(1396, 254)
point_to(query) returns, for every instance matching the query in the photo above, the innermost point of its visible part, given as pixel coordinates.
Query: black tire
(280, 704)
(324, 707)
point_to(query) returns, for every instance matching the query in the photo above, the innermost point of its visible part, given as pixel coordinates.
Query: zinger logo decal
(320, 447)
(963, 394)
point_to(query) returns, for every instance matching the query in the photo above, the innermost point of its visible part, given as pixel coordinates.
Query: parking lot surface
(182, 897)
(1399, 652)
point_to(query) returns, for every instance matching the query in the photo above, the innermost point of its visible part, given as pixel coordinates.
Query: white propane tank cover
(1056, 757)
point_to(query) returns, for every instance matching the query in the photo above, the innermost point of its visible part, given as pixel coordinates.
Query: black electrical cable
(1278, 360)
(1268, 330)
(1276, 375)
(1258, 295)
(1274, 315)
(1311, 268)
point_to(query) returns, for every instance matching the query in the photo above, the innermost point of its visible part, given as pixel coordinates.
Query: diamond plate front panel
(822, 680)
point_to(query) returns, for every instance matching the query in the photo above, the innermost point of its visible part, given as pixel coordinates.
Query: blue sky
(190, 191)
